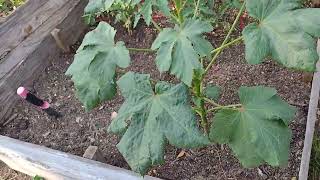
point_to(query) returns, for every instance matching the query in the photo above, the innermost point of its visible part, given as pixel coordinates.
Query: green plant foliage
(97, 6)
(314, 170)
(126, 11)
(93, 69)
(157, 113)
(6, 6)
(37, 178)
(147, 118)
(122, 10)
(179, 49)
(147, 9)
(284, 31)
(231, 4)
(205, 10)
(257, 132)
(212, 92)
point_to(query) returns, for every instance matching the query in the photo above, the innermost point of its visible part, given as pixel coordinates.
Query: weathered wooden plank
(21, 11)
(311, 120)
(22, 24)
(51, 164)
(26, 61)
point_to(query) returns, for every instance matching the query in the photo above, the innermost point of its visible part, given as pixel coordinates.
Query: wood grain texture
(93, 153)
(311, 121)
(28, 56)
(52, 165)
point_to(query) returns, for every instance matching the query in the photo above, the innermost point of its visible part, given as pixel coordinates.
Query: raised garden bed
(78, 129)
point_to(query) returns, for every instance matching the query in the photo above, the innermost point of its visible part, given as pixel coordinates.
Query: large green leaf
(147, 119)
(258, 131)
(93, 69)
(284, 31)
(179, 49)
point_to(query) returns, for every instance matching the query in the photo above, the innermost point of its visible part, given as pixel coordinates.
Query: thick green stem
(233, 106)
(179, 6)
(201, 110)
(212, 102)
(141, 50)
(225, 40)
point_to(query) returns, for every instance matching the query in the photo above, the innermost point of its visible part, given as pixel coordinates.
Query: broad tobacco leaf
(93, 69)
(179, 49)
(148, 118)
(284, 31)
(258, 132)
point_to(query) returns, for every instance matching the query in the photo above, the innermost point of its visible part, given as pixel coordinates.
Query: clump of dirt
(79, 129)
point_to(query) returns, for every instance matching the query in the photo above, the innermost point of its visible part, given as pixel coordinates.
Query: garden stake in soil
(43, 105)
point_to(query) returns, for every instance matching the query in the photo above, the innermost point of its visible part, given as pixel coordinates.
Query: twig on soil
(297, 104)
(156, 25)
(10, 120)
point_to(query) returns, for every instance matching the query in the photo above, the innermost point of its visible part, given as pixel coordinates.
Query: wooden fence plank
(51, 164)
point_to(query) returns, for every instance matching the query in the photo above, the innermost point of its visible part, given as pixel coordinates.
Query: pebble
(78, 119)
(91, 139)
(46, 134)
(114, 115)
(262, 174)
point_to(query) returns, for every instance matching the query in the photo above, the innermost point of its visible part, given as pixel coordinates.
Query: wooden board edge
(311, 121)
(51, 164)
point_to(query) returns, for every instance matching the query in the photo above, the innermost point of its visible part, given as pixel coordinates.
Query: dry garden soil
(78, 129)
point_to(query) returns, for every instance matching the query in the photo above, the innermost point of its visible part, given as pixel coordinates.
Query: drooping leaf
(147, 119)
(148, 7)
(179, 49)
(95, 6)
(258, 131)
(93, 69)
(146, 11)
(284, 31)
(212, 92)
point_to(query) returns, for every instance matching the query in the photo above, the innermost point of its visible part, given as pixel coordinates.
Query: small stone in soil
(78, 119)
(46, 134)
(100, 108)
(262, 174)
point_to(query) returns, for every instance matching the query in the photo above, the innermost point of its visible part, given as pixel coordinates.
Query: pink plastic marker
(44, 105)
